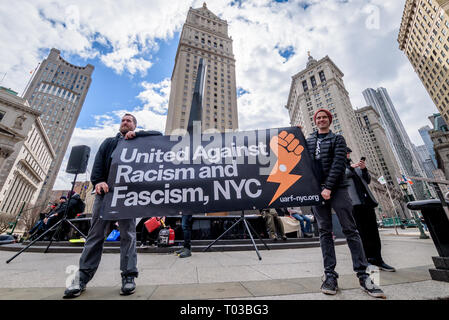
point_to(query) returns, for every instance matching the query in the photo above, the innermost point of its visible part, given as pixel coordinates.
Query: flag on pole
(407, 180)
(382, 180)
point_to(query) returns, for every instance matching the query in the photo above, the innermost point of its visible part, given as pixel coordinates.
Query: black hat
(348, 150)
(63, 197)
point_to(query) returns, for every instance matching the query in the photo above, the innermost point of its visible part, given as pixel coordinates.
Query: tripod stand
(57, 225)
(248, 226)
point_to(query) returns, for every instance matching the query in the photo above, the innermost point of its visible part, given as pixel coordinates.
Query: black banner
(173, 175)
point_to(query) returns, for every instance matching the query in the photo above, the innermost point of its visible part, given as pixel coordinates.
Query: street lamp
(408, 198)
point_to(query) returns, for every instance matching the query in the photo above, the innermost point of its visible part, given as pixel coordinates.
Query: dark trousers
(93, 248)
(187, 222)
(365, 218)
(342, 205)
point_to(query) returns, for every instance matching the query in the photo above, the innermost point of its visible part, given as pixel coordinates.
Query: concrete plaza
(281, 274)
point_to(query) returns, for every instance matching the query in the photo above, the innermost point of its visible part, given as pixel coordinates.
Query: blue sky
(112, 91)
(133, 43)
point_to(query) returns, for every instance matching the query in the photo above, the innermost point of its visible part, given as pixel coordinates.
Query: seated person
(274, 224)
(39, 227)
(304, 221)
(54, 216)
(147, 238)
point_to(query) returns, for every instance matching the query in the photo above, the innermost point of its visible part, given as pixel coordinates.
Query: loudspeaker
(79, 156)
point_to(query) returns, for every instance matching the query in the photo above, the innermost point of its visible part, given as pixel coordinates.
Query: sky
(133, 44)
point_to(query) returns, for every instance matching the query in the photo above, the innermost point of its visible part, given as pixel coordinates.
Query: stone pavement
(281, 274)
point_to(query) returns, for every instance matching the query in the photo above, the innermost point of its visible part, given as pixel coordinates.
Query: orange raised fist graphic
(288, 151)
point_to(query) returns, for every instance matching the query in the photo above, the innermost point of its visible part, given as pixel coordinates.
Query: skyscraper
(423, 37)
(320, 85)
(426, 161)
(58, 90)
(204, 35)
(424, 133)
(397, 136)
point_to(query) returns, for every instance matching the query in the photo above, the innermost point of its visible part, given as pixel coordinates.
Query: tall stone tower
(58, 90)
(318, 86)
(204, 35)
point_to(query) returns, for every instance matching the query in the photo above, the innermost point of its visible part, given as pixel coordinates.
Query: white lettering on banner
(226, 190)
(154, 156)
(126, 174)
(157, 197)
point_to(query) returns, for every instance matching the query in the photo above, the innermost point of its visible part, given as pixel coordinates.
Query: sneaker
(385, 267)
(75, 289)
(367, 285)
(179, 251)
(128, 286)
(186, 253)
(330, 285)
(284, 237)
(143, 246)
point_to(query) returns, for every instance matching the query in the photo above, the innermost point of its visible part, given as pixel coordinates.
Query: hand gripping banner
(173, 175)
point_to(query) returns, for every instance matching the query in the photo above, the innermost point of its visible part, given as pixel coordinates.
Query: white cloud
(358, 35)
(127, 30)
(150, 116)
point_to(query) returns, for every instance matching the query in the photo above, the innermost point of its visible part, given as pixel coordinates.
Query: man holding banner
(328, 152)
(93, 248)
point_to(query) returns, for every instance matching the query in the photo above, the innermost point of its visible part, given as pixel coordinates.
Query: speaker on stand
(79, 157)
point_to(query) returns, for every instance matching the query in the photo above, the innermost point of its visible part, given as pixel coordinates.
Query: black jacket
(359, 191)
(73, 207)
(102, 163)
(333, 158)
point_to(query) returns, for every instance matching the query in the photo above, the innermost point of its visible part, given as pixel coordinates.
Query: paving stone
(273, 287)
(28, 293)
(200, 291)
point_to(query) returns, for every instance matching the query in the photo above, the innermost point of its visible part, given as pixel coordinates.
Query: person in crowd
(39, 226)
(364, 202)
(274, 224)
(186, 223)
(93, 248)
(304, 221)
(150, 238)
(328, 153)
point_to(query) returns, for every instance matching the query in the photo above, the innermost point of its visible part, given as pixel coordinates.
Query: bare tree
(5, 221)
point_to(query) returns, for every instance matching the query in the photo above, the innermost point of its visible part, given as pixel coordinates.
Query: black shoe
(367, 285)
(179, 251)
(185, 253)
(128, 286)
(307, 235)
(75, 289)
(284, 237)
(330, 285)
(385, 267)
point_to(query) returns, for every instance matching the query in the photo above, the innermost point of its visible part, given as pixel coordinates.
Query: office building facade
(58, 90)
(204, 36)
(320, 85)
(424, 38)
(24, 171)
(397, 137)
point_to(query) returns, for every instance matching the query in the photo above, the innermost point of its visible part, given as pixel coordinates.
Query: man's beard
(124, 130)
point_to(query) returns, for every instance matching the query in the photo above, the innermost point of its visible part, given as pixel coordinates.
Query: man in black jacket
(328, 152)
(93, 248)
(364, 202)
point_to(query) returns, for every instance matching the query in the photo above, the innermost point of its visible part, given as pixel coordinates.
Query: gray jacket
(366, 179)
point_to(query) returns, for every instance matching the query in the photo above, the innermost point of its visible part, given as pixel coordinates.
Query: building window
(304, 85)
(322, 76)
(2, 114)
(313, 81)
